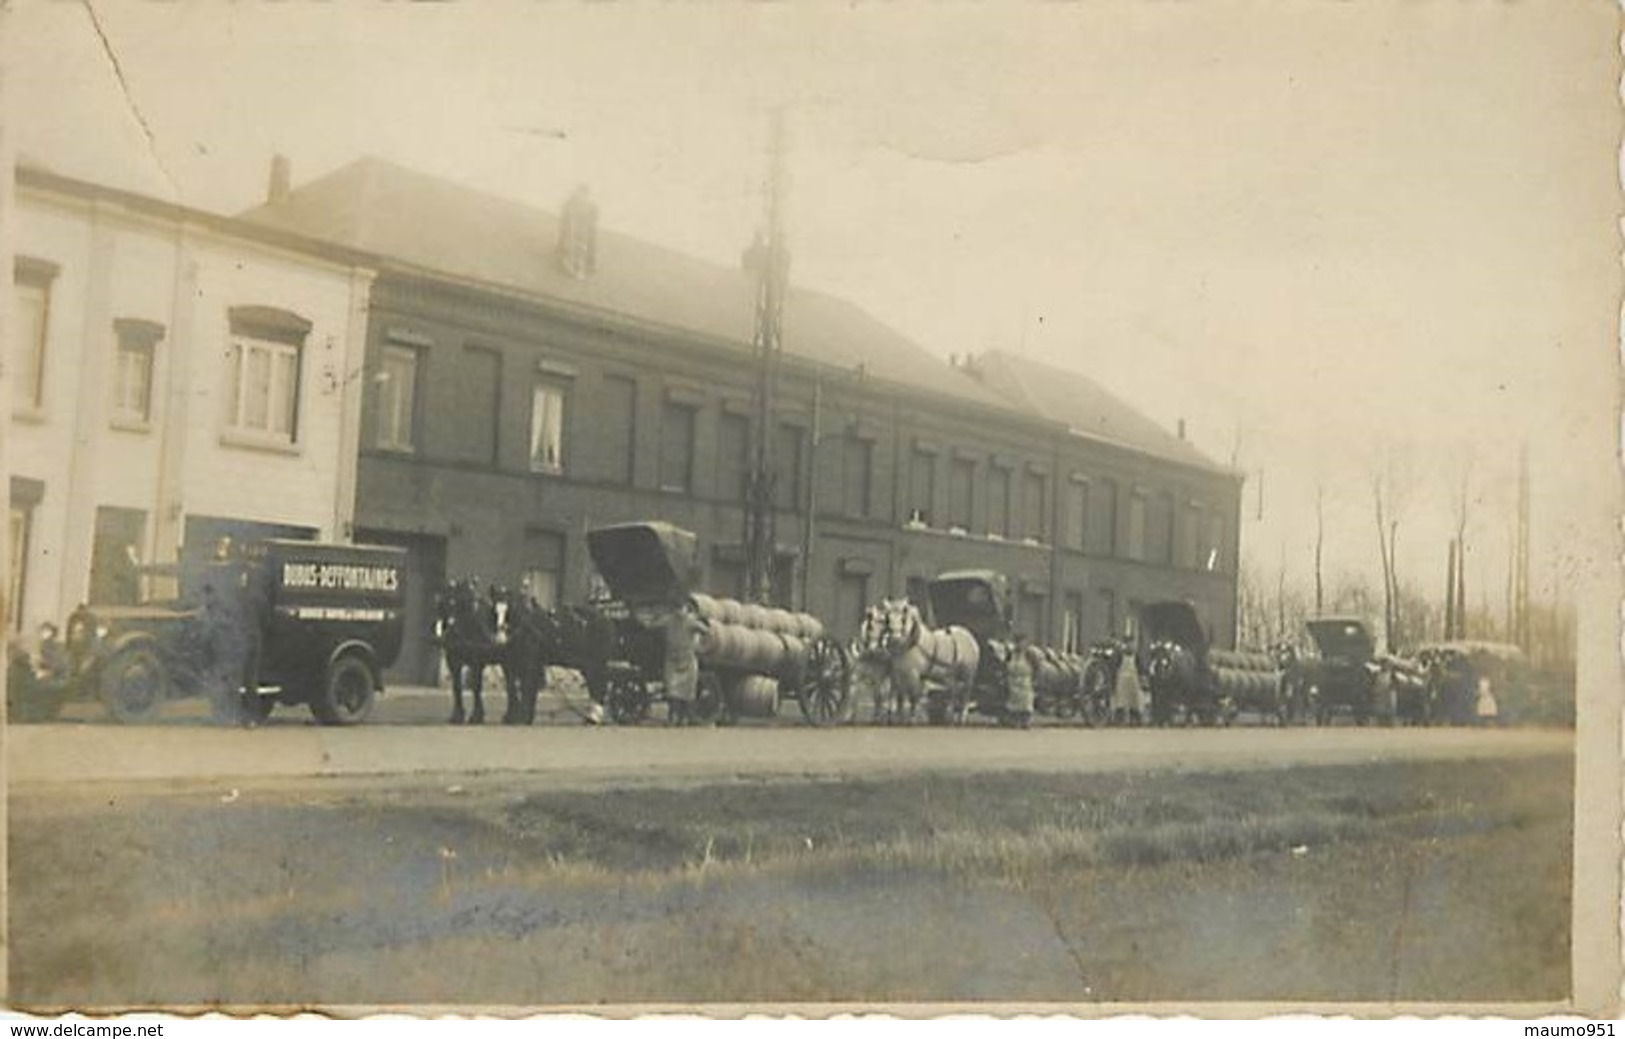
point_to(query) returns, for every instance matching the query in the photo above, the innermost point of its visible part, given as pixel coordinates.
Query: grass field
(1393, 882)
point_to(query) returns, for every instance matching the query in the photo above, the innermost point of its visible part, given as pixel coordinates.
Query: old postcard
(1101, 507)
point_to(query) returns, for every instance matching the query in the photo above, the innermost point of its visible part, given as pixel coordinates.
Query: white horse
(897, 655)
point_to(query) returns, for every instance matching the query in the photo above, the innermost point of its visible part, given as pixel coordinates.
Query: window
(396, 386)
(1077, 515)
(18, 531)
(1108, 612)
(1030, 615)
(733, 456)
(922, 486)
(961, 492)
(1213, 550)
(858, 473)
(998, 501)
(1072, 638)
(1166, 512)
(115, 556)
(791, 475)
(25, 495)
(1192, 553)
(727, 575)
(544, 566)
(263, 373)
(677, 421)
(32, 280)
(1035, 507)
(1106, 527)
(615, 424)
(136, 344)
(1138, 518)
(547, 403)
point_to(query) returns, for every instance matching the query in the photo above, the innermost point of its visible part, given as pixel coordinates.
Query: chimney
(578, 234)
(281, 179)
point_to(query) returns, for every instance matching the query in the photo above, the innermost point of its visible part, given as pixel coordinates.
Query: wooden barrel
(756, 696)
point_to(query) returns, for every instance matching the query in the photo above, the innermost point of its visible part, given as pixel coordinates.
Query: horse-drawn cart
(750, 656)
(1190, 680)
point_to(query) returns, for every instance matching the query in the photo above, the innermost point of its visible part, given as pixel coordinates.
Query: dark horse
(526, 632)
(466, 629)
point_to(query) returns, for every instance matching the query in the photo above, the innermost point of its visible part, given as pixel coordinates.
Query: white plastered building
(176, 377)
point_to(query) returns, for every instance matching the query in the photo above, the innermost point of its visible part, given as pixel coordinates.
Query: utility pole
(771, 262)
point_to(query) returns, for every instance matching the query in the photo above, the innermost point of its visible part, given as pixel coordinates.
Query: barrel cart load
(751, 656)
(1190, 680)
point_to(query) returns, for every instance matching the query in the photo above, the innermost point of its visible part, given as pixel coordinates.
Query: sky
(1337, 240)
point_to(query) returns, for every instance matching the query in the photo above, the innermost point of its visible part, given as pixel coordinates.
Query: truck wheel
(133, 683)
(346, 697)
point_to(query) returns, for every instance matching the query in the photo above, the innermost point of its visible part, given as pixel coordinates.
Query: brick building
(532, 375)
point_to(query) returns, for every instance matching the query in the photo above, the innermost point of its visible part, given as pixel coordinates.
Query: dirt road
(43, 755)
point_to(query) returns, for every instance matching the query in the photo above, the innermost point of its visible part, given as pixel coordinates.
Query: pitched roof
(425, 222)
(1083, 406)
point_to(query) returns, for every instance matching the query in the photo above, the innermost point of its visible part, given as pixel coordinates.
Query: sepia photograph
(1098, 507)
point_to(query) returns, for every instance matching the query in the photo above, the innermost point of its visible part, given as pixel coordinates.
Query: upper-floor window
(677, 424)
(397, 387)
(998, 501)
(858, 475)
(32, 286)
(615, 422)
(263, 372)
(136, 351)
(961, 492)
(1035, 507)
(1105, 531)
(791, 475)
(733, 456)
(1213, 548)
(547, 403)
(923, 486)
(1077, 515)
(1138, 518)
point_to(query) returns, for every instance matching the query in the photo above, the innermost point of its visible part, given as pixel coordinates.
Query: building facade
(176, 377)
(530, 377)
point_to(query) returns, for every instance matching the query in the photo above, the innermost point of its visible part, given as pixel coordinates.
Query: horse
(1173, 680)
(897, 654)
(465, 628)
(525, 634)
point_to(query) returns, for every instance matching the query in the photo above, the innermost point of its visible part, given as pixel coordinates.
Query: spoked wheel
(627, 699)
(825, 695)
(1097, 693)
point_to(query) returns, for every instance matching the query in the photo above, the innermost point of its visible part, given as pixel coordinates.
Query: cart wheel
(825, 695)
(133, 683)
(627, 699)
(346, 697)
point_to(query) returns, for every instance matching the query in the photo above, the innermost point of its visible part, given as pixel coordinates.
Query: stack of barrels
(751, 637)
(1057, 672)
(1245, 676)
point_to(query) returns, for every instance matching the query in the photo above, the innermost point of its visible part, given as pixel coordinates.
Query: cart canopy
(1172, 621)
(642, 563)
(978, 600)
(1342, 638)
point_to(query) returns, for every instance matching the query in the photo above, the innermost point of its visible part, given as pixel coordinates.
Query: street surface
(407, 737)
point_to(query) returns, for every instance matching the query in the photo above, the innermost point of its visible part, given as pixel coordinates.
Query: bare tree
(1320, 544)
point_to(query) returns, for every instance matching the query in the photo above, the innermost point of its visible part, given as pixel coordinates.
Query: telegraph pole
(771, 262)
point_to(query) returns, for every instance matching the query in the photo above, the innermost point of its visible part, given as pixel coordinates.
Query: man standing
(1019, 670)
(682, 628)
